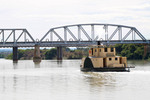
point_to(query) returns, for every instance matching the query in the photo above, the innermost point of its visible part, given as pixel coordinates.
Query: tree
(131, 51)
(51, 54)
(118, 48)
(10, 56)
(138, 54)
(20, 53)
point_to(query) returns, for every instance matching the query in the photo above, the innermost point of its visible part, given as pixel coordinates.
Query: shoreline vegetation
(46, 54)
(131, 51)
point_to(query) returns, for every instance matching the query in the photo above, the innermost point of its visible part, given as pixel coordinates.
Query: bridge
(79, 35)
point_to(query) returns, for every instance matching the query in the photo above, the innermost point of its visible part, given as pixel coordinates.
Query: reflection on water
(99, 79)
(138, 62)
(14, 82)
(15, 65)
(57, 80)
(15, 61)
(37, 64)
(59, 61)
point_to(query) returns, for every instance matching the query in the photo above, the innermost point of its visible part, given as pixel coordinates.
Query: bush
(51, 54)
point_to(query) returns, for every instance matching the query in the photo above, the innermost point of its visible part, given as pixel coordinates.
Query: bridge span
(79, 35)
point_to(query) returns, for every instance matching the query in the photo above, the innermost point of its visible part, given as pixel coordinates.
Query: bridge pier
(145, 50)
(59, 53)
(37, 56)
(15, 54)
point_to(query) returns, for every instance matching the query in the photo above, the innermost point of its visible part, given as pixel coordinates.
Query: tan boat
(104, 59)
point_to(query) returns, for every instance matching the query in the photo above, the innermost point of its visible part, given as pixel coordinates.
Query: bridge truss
(118, 34)
(15, 37)
(79, 35)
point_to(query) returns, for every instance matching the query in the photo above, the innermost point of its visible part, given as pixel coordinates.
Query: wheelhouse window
(109, 59)
(92, 50)
(105, 49)
(112, 49)
(99, 50)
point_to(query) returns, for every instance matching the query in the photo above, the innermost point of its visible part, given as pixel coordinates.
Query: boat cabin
(105, 57)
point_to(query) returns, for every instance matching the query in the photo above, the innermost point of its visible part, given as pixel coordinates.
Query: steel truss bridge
(79, 35)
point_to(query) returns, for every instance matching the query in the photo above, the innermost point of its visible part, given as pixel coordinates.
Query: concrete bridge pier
(15, 54)
(145, 50)
(37, 56)
(59, 53)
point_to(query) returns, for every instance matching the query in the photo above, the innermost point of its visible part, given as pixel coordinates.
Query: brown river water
(53, 80)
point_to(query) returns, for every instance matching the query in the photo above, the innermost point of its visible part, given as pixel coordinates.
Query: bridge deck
(70, 43)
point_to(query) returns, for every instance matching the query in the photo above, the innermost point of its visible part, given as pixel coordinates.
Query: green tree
(118, 48)
(51, 54)
(20, 53)
(131, 51)
(138, 53)
(10, 56)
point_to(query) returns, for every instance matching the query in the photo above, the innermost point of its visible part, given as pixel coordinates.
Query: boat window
(116, 58)
(109, 58)
(95, 50)
(112, 49)
(92, 50)
(105, 49)
(99, 50)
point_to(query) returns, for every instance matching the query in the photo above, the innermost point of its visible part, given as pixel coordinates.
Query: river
(53, 80)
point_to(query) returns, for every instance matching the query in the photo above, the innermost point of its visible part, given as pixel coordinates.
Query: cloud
(38, 16)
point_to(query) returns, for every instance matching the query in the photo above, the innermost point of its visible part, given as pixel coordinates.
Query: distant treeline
(4, 54)
(51, 53)
(131, 51)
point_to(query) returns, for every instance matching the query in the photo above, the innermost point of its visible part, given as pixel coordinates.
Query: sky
(38, 16)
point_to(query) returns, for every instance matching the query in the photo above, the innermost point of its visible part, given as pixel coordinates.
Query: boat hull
(105, 69)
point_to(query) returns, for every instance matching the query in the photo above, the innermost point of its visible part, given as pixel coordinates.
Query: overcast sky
(38, 16)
